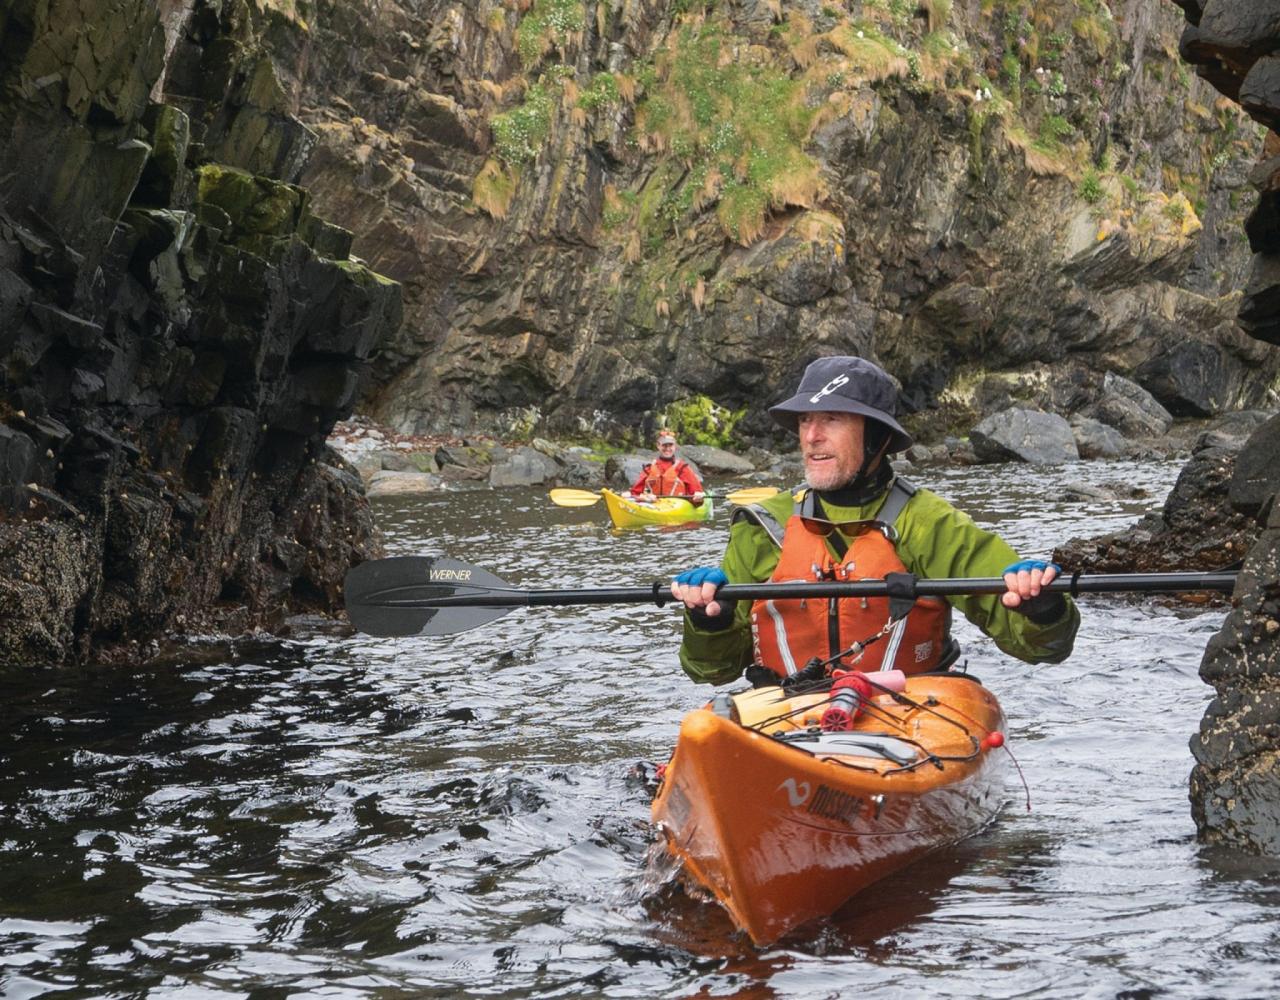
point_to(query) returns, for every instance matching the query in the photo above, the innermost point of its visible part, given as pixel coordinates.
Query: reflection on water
(343, 816)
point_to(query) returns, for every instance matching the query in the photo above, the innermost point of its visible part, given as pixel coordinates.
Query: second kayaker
(857, 520)
(668, 475)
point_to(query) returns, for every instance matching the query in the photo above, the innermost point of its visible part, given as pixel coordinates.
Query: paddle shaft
(627, 495)
(659, 594)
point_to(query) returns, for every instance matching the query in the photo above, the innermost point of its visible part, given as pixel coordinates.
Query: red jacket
(667, 478)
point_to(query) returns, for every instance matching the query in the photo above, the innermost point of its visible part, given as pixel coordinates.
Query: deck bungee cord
(843, 707)
(993, 740)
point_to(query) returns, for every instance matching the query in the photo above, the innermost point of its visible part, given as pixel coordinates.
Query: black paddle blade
(422, 595)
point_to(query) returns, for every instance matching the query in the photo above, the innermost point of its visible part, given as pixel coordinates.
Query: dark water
(348, 817)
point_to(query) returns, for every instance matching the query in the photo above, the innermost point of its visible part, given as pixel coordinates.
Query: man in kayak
(667, 475)
(857, 520)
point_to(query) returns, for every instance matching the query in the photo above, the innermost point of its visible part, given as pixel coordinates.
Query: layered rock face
(1235, 787)
(178, 329)
(599, 208)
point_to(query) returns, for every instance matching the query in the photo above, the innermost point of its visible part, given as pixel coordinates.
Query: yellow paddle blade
(752, 494)
(565, 497)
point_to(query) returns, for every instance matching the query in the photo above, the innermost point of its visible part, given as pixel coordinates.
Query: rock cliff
(600, 208)
(1235, 787)
(179, 330)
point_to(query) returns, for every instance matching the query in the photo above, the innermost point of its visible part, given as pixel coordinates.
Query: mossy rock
(701, 420)
(256, 206)
(364, 276)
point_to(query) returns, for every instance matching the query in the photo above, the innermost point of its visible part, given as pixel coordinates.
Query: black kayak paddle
(429, 595)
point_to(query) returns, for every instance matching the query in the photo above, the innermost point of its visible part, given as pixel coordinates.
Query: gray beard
(860, 489)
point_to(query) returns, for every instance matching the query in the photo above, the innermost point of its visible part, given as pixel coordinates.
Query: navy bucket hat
(845, 384)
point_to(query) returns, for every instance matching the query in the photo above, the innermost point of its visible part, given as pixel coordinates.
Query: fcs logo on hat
(829, 388)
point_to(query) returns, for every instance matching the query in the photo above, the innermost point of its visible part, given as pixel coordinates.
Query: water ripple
(360, 817)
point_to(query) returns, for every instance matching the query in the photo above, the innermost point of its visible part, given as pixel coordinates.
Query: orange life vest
(788, 634)
(665, 482)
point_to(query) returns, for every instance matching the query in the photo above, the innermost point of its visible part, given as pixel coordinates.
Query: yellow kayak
(628, 513)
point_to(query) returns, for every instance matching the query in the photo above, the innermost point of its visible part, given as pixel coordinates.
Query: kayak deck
(783, 823)
(628, 513)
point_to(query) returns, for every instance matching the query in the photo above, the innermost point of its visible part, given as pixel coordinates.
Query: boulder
(1232, 430)
(578, 471)
(715, 460)
(402, 460)
(786, 469)
(1129, 408)
(1260, 91)
(1019, 435)
(467, 456)
(1243, 30)
(919, 453)
(1094, 439)
(525, 467)
(1085, 493)
(390, 484)
(465, 475)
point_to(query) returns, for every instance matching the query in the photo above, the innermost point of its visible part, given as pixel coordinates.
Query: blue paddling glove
(699, 575)
(1030, 564)
(696, 577)
(1045, 608)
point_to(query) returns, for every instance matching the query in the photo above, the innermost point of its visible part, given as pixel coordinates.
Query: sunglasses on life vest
(844, 527)
(847, 530)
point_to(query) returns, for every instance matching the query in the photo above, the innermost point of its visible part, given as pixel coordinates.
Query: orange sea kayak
(784, 823)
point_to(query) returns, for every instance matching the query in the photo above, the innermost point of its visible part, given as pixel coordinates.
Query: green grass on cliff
(519, 134)
(721, 113)
(549, 24)
(735, 121)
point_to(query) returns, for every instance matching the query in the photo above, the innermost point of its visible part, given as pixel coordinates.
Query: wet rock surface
(1235, 786)
(178, 332)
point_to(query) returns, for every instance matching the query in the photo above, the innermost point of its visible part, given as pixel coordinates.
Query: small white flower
(859, 34)
(977, 95)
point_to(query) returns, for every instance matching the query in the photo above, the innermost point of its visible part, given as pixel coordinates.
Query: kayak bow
(783, 822)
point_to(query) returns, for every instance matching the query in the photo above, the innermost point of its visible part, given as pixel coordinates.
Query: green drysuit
(934, 540)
